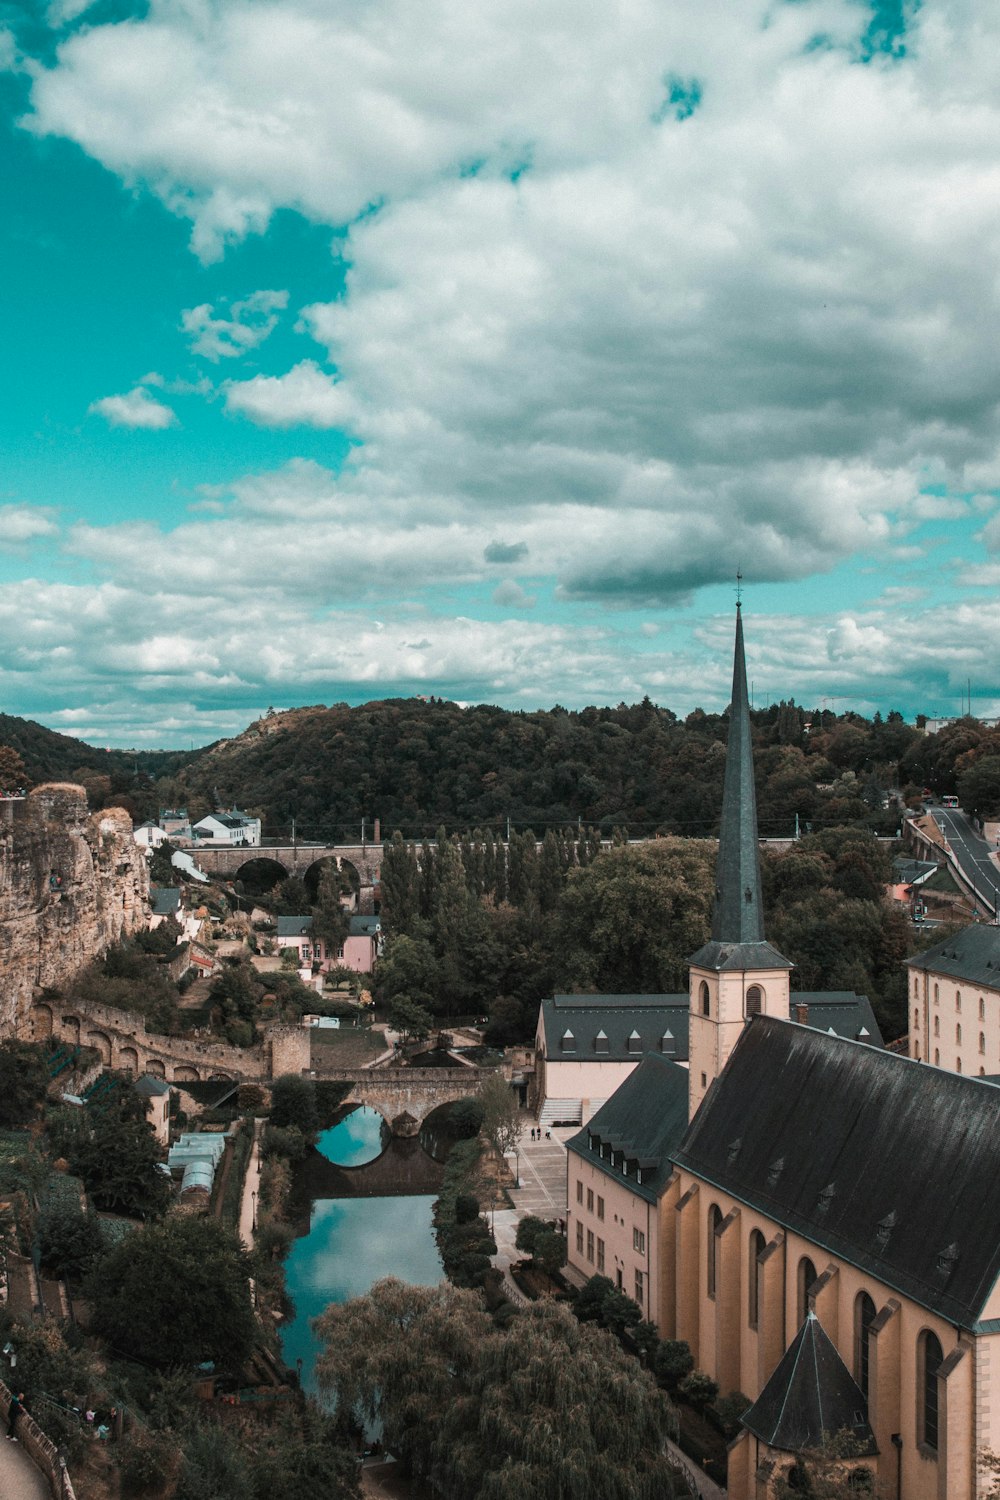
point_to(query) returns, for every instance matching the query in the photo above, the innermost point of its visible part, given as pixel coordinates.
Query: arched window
(982, 1008)
(916, 986)
(916, 1020)
(929, 1360)
(916, 1051)
(864, 1317)
(958, 999)
(755, 999)
(958, 1035)
(982, 1042)
(958, 1065)
(937, 1025)
(935, 994)
(755, 1274)
(705, 998)
(806, 1277)
(982, 1072)
(714, 1220)
(937, 1058)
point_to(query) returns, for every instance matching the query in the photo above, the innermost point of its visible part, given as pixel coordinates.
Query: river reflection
(357, 1220)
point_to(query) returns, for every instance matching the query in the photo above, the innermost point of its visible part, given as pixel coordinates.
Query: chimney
(802, 1014)
(377, 839)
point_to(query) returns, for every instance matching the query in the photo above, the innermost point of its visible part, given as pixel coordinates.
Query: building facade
(954, 1003)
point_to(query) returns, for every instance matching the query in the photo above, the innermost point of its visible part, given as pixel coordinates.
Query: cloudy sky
(358, 348)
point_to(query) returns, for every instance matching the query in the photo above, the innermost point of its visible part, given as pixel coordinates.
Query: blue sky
(352, 352)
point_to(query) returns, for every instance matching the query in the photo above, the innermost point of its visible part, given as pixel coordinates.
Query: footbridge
(295, 858)
(405, 1096)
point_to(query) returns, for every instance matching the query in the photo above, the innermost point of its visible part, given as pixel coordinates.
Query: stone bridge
(407, 1092)
(294, 858)
(122, 1042)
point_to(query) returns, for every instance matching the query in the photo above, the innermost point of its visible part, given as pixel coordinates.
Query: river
(362, 1206)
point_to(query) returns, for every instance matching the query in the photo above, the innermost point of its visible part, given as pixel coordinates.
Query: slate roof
(150, 1087)
(616, 1018)
(738, 914)
(913, 871)
(741, 956)
(294, 926)
(643, 1120)
(365, 926)
(165, 900)
(811, 1395)
(888, 1164)
(972, 957)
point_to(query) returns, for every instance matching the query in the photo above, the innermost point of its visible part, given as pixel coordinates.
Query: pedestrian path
(19, 1479)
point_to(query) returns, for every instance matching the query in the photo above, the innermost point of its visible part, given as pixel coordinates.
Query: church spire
(738, 915)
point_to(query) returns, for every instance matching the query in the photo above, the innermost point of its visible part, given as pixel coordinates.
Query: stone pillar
(956, 1459)
(667, 1243)
(770, 1311)
(884, 1393)
(728, 1303)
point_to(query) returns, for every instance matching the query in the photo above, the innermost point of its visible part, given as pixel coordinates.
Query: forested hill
(418, 765)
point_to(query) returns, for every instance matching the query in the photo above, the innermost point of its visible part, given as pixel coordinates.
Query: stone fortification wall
(72, 883)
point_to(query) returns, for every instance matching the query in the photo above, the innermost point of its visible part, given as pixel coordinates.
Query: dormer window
(775, 1171)
(601, 1041)
(567, 1041)
(946, 1261)
(885, 1228)
(635, 1042)
(668, 1046)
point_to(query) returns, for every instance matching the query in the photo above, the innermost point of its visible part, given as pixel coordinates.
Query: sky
(360, 348)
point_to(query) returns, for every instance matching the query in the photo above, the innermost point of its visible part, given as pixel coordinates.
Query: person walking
(16, 1408)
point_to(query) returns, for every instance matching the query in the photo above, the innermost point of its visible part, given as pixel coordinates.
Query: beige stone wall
(71, 884)
(728, 1348)
(714, 1034)
(954, 1025)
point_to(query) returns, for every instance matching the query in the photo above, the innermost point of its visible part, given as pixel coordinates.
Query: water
(358, 1225)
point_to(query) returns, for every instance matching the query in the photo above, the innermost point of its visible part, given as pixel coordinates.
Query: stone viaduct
(404, 1096)
(122, 1042)
(294, 858)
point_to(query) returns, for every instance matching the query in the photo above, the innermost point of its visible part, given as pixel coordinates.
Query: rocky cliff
(71, 883)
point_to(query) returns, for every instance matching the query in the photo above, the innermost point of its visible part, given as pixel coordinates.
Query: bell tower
(737, 973)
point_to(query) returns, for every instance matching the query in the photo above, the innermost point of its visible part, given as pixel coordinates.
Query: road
(972, 855)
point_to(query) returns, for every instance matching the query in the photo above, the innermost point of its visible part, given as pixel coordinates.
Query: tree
(546, 1407)
(176, 1293)
(24, 1079)
(14, 778)
(528, 1231)
(409, 1018)
(69, 1240)
(672, 1361)
(293, 1102)
(329, 919)
(501, 1115)
(120, 1163)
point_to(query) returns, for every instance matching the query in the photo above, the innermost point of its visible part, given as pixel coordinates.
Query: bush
(699, 1389)
(528, 1231)
(69, 1240)
(729, 1409)
(466, 1208)
(287, 1141)
(672, 1362)
(144, 1464)
(293, 1102)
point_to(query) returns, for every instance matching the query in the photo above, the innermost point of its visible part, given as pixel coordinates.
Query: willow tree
(546, 1409)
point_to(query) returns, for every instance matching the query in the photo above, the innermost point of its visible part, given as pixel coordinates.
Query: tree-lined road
(972, 856)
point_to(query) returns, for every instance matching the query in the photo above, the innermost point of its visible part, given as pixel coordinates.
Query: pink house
(359, 951)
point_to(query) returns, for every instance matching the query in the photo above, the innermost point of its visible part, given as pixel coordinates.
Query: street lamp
(253, 1209)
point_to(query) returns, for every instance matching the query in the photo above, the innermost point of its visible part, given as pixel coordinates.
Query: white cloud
(253, 320)
(23, 523)
(305, 397)
(510, 595)
(136, 409)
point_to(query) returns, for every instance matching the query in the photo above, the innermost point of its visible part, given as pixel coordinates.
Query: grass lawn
(350, 1047)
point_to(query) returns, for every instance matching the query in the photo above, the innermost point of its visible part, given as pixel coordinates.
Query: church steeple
(738, 916)
(737, 974)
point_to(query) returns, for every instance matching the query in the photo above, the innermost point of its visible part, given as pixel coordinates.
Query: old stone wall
(72, 883)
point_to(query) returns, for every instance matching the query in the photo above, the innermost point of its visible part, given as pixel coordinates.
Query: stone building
(822, 1228)
(954, 1015)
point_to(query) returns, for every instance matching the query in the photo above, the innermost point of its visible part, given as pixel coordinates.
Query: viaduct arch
(404, 1097)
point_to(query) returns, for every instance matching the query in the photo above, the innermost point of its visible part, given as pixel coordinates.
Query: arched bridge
(403, 1095)
(228, 860)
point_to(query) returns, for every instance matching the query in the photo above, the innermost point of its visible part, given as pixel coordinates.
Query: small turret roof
(810, 1397)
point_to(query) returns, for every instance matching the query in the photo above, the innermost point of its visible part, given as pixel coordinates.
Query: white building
(232, 827)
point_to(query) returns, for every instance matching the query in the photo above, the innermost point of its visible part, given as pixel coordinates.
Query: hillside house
(232, 827)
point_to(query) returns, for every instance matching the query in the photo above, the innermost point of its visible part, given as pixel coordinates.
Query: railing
(41, 1450)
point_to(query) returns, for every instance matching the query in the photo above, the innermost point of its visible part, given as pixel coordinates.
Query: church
(817, 1217)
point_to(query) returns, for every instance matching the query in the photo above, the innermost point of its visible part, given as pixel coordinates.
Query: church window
(864, 1317)
(916, 986)
(714, 1221)
(916, 1051)
(755, 999)
(916, 1020)
(705, 997)
(958, 999)
(929, 1361)
(937, 1058)
(958, 1065)
(982, 1072)
(982, 1008)
(935, 994)
(806, 1277)
(937, 1025)
(755, 1274)
(958, 1035)
(982, 1041)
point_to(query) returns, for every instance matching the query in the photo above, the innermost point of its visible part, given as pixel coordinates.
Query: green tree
(409, 1018)
(501, 1115)
(176, 1293)
(24, 1079)
(672, 1361)
(528, 1231)
(293, 1103)
(546, 1407)
(330, 922)
(69, 1240)
(120, 1163)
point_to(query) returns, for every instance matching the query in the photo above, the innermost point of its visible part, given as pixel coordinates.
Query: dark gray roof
(741, 956)
(165, 900)
(738, 915)
(150, 1087)
(294, 926)
(811, 1396)
(653, 1016)
(913, 871)
(973, 956)
(842, 1012)
(365, 926)
(890, 1165)
(642, 1122)
(601, 1026)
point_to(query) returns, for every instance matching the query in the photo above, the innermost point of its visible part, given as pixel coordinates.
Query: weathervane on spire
(739, 588)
